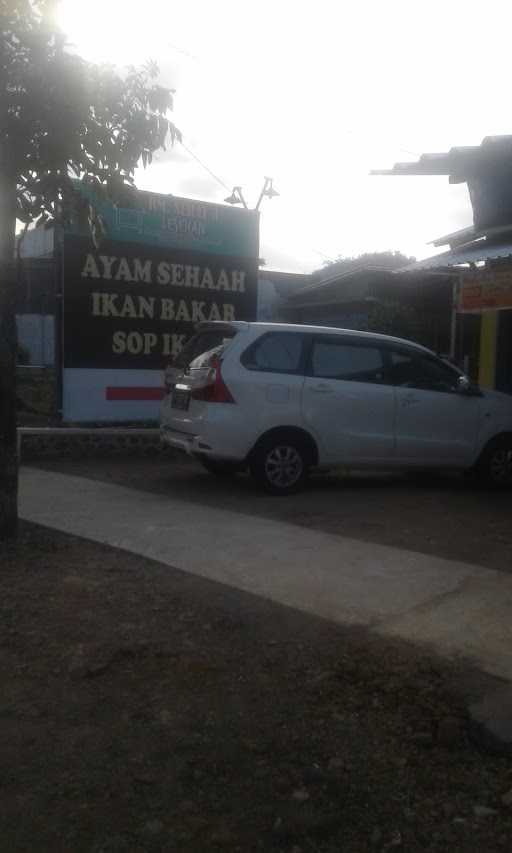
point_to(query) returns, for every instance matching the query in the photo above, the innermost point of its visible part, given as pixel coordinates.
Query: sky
(315, 95)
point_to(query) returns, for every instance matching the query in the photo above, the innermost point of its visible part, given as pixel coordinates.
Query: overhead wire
(212, 174)
(205, 167)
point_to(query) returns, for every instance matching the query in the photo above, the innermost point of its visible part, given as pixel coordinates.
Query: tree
(61, 119)
(383, 260)
(397, 308)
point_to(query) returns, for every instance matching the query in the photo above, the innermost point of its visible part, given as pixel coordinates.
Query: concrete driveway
(456, 606)
(444, 517)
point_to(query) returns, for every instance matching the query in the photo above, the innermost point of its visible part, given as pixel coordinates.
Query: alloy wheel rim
(283, 466)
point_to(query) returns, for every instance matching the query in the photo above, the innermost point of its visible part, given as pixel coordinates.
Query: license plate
(180, 400)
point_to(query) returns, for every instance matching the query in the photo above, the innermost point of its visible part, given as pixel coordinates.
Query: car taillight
(214, 389)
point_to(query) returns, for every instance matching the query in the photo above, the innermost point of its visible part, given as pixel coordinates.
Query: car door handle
(322, 388)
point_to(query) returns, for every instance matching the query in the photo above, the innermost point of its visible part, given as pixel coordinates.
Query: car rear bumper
(193, 445)
(180, 440)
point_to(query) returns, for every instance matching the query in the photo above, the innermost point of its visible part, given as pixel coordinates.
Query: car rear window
(202, 346)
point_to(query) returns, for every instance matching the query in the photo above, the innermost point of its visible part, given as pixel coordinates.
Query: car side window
(414, 370)
(340, 359)
(276, 352)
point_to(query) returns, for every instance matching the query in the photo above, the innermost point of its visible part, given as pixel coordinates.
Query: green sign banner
(181, 223)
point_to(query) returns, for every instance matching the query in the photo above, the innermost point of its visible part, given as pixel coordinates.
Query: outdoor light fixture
(236, 196)
(267, 190)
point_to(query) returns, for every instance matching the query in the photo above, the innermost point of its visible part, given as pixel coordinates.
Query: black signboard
(133, 306)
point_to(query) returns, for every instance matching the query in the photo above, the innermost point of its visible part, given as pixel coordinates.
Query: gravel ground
(144, 709)
(447, 517)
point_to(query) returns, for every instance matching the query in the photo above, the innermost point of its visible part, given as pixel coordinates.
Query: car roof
(300, 327)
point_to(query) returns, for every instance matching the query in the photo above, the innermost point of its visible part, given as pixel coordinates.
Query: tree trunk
(8, 358)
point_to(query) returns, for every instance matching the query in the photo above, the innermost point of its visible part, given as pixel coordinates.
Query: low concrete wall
(36, 443)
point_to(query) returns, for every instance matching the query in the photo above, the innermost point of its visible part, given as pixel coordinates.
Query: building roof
(472, 253)
(468, 235)
(348, 286)
(459, 162)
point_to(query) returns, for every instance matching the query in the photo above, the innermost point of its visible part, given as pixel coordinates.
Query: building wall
(484, 348)
(36, 334)
(504, 352)
(274, 290)
(270, 302)
(38, 243)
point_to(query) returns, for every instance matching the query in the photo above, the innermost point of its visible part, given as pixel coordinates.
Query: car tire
(220, 467)
(280, 465)
(494, 468)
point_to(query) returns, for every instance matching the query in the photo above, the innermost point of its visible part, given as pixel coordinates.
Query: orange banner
(486, 291)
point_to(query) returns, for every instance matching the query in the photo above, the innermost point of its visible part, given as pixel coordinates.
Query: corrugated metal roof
(468, 235)
(454, 162)
(481, 251)
(362, 270)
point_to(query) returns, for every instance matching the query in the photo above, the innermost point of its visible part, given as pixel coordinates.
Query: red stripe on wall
(116, 393)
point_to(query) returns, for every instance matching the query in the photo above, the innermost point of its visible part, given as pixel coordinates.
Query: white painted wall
(84, 395)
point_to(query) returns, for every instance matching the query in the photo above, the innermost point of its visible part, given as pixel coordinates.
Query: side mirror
(466, 387)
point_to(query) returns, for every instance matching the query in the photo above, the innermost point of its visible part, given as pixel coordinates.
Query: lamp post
(237, 197)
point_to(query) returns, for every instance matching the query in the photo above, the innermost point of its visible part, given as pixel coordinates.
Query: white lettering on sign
(207, 280)
(123, 271)
(167, 309)
(238, 279)
(172, 344)
(176, 274)
(142, 270)
(96, 304)
(128, 308)
(223, 281)
(107, 265)
(104, 305)
(192, 276)
(135, 343)
(147, 306)
(197, 312)
(163, 275)
(182, 315)
(90, 269)
(114, 305)
(118, 342)
(112, 268)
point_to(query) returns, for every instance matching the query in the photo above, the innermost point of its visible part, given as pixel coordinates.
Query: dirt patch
(443, 516)
(143, 709)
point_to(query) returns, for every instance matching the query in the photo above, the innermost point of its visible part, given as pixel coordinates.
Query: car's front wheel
(280, 465)
(495, 466)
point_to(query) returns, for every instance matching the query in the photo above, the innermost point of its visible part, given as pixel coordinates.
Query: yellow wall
(488, 336)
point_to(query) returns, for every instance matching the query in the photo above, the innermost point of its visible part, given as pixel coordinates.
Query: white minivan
(281, 400)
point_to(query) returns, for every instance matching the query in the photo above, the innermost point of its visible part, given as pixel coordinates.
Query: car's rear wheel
(495, 466)
(280, 465)
(220, 467)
